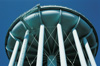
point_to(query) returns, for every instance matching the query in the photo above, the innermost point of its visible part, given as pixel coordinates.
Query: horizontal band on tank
(13, 36)
(9, 49)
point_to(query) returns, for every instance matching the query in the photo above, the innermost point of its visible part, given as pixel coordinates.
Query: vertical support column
(79, 48)
(23, 49)
(14, 54)
(61, 46)
(89, 52)
(40, 46)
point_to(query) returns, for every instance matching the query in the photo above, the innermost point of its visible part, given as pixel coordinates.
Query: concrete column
(23, 49)
(61, 46)
(40, 47)
(89, 52)
(79, 48)
(14, 54)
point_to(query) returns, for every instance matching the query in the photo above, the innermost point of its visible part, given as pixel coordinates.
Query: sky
(11, 9)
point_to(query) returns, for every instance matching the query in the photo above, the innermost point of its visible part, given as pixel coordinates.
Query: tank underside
(50, 16)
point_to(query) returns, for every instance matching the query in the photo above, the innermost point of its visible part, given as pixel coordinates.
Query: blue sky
(11, 9)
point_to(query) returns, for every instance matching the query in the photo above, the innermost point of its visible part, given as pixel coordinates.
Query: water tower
(51, 36)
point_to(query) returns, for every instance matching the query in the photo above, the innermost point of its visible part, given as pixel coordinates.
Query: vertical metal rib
(79, 48)
(40, 16)
(89, 52)
(40, 47)
(61, 46)
(23, 49)
(14, 54)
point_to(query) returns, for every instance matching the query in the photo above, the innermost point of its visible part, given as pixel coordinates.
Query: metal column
(14, 54)
(40, 47)
(89, 52)
(79, 48)
(23, 49)
(61, 46)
